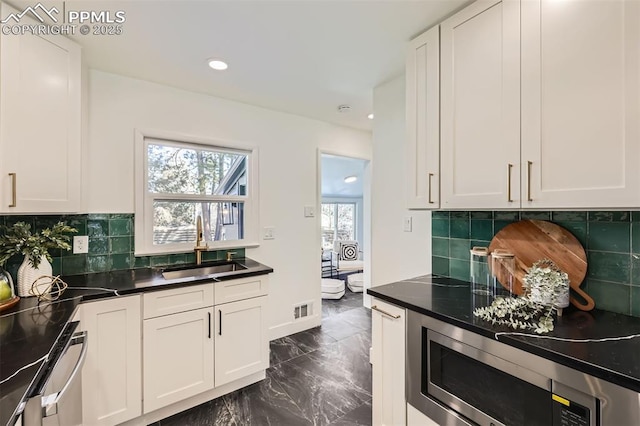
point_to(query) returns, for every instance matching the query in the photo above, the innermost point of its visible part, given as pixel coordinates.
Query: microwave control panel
(569, 413)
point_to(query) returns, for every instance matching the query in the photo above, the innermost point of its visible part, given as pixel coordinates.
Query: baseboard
(292, 327)
(194, 401)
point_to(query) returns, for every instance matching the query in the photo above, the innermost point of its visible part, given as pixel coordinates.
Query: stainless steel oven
(457, 377)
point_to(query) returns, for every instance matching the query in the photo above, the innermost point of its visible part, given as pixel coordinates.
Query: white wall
(396, 254)
(288, 147)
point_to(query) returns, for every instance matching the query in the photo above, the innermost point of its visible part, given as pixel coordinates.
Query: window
(178, 181)
(338, 223)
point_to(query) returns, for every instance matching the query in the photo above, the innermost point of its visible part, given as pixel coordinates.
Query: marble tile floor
(317, 377)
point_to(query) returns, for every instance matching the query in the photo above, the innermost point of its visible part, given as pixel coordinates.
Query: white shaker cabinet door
(178, 357)
(423, 121)
(40, 132)
(112, 374)
(580, 103)
(388, 360)
(480, 106)
(241, 343)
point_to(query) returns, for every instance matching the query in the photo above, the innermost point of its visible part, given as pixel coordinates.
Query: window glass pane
(175, 221)
(328, 225)
(346, 225)
(180, 170)
(338, 223)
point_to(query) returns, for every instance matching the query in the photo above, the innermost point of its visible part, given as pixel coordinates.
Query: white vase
(27, 274)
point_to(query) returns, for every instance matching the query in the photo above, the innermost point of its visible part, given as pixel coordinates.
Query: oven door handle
(80, 338)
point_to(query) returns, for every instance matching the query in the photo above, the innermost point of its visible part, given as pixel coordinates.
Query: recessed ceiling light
(218, 65)
(370, 116)
(350, 179)
(344, 108)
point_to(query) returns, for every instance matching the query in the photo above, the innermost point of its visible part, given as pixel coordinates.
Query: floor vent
(301, 311)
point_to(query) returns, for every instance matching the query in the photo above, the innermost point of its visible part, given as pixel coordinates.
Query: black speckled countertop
(451, 301)
(29, 330)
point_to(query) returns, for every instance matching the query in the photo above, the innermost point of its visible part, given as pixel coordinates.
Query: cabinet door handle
(209, 315)
(430, 176)
(220, 321)
(14, 178)
(375, 308)
(509, 183)
(529, 163)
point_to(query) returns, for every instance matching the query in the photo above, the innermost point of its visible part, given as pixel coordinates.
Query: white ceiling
(335, 169)
(304, 57)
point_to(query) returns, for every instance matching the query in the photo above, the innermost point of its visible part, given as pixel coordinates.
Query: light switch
(268, 233)
(309, 211)
(408, 223)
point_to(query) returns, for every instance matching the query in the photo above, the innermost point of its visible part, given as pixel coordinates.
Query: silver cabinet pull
(509, 183)
(14, 178)
(430, 176)
(375, 308)
(529, 163)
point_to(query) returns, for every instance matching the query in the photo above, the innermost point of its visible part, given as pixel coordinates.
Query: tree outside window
(338, 223)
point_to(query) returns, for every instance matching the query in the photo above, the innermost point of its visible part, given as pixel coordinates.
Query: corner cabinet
(423, 121)
(388, 330)
(40, 114)
(480, 106)
(112, 375)
(580, 103)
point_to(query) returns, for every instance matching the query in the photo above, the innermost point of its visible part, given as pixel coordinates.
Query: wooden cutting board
(533, 240)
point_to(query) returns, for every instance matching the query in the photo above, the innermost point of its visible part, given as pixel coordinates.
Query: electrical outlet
(80, 244)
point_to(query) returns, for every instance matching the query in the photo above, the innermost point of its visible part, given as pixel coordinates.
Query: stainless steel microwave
(457, 377)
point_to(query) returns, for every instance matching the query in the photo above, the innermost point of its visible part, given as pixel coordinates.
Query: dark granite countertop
(29, 330)
(451, 301)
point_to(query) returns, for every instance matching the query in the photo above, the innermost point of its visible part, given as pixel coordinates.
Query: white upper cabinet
(423, 121)
(480, 106)
(39, 123)
(580, 103)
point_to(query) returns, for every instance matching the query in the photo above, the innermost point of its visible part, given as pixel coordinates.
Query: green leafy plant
(18, 239)
(546, 287)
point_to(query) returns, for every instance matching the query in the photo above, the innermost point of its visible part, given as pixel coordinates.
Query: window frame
(144, 199)
(337, 201)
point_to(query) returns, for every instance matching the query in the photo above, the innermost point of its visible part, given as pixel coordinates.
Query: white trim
(143, 199)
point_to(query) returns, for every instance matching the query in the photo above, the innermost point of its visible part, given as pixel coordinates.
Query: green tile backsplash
(611, 239)
(111, 245)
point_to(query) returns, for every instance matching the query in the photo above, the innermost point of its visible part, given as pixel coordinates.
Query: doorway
(344, 222)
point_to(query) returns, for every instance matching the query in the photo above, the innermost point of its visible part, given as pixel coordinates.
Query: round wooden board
(533, 240)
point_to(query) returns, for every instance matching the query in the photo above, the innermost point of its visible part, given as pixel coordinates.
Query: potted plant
(18, 239)
(546, 291)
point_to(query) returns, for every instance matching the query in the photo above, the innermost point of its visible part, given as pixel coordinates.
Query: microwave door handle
(53, 399)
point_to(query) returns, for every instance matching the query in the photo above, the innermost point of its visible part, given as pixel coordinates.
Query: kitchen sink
(203, 271)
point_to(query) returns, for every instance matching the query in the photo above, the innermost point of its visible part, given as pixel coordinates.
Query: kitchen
(115, 106)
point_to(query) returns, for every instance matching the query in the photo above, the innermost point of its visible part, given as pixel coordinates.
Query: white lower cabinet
(388, 359)
(111, 376)
(241, 344)
(416, 418)
(178, 357)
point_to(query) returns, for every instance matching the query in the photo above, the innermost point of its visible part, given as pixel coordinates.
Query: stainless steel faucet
(199, 248)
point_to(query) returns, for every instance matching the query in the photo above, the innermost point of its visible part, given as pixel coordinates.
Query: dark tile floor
(320, 376)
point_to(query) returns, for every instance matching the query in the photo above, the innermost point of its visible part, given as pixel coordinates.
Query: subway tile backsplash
(610, 238)
(111, 245)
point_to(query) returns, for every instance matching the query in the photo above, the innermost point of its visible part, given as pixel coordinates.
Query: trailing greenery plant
(18, 239)
(545, 286)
